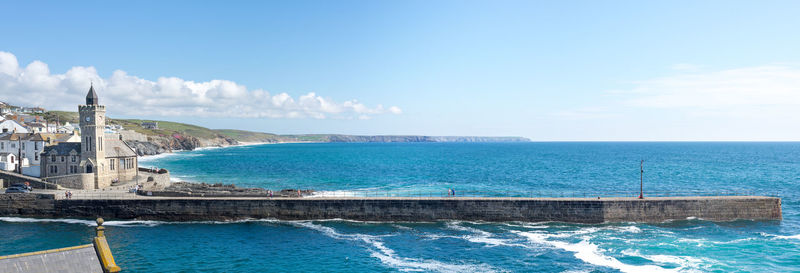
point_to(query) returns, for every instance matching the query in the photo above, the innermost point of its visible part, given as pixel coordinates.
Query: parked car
(21, 186)
(17, 190)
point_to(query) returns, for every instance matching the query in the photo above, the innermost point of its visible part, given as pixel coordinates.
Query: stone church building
(96, 161)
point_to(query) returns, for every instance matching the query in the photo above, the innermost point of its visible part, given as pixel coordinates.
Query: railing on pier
(99, 194)
(531, 194)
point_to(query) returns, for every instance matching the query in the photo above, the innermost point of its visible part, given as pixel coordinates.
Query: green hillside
(168, 128)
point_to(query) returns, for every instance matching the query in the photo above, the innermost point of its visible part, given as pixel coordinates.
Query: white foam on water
(432, 236)
(335, 194)
(527, 225)
(38, 220)
(797, 237)
(684, 263)
(388, 256)
(631, 229)
(148, 158)
(128, 223)
(699, 242)
(479, 236)
(588, 252)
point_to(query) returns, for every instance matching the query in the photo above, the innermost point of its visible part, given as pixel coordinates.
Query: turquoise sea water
(692, 245)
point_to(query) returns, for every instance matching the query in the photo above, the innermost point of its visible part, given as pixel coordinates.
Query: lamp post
(641, 180)
(19, 154)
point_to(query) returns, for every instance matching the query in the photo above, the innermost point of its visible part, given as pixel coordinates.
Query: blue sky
(558, 70)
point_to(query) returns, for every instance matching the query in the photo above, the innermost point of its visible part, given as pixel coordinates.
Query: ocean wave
(796, 237)
(147, 158)
(479, 236)
(129, 223)
(588, 252)
(38, 220)
(683, 263)
(390, 258)
(335, 194)
(631, 229)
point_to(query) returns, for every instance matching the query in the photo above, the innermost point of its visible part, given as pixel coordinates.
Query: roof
(5, 154)
(117, 148)
(21, 136)
(70, 259)
(63, 148)
(95, 257)
(91, 97)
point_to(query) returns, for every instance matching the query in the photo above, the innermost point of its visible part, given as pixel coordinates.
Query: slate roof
(63, 148)
(117, 148)
(18, 136)
(91, 97)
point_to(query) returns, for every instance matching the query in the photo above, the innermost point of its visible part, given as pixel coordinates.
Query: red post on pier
(641, 180)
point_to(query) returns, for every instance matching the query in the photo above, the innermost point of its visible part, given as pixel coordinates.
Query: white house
(8, 162)
(67, 128)
(36, 127)
(27, 148)
(12, 126)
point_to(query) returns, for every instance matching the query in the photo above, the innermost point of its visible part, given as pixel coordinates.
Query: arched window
(88, 168)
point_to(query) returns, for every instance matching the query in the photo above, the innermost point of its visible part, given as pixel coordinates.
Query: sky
(545, 70)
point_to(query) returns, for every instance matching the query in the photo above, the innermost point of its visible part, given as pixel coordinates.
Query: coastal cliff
(170, 136)
(390, 138)
(162, 144)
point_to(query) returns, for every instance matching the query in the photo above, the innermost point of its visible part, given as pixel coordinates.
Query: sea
(520, 169)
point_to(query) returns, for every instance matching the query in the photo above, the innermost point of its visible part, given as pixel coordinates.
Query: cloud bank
(34, 85)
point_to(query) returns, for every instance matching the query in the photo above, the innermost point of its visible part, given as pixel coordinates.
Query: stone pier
(576, 210)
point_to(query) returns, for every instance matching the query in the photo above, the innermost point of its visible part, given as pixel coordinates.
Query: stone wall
(27, 204)
(720, 208)
(10, 178)
(426, 209)
(81, 181)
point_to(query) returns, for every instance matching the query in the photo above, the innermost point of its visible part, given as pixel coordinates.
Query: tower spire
(91, 97)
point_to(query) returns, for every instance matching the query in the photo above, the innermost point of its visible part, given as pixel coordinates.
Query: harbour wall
(576, 210)
(11, 178)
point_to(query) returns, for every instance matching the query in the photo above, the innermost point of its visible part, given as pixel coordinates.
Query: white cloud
(762, 86)
(34, 85)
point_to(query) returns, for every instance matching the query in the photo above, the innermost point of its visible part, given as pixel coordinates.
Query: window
(36, 157)
(23, 145)
(53, 169)
(13, 145)
(36, 146)
(2, 145)
(63, 158)
(52, 158)
(100, 143)
(73, 158)
(111, 163)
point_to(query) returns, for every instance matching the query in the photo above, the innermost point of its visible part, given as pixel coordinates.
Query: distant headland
(151, 137)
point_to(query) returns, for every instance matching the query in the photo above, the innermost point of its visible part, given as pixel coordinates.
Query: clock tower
(93, 125)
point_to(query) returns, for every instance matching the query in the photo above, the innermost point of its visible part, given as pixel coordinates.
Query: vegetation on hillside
(168, 128)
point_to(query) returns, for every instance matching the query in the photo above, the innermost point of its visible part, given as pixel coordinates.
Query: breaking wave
(388, 256)
(587, 251)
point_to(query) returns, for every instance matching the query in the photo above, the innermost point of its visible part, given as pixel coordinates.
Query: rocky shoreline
(188, 189)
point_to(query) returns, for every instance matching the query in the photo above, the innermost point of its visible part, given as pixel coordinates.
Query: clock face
(88, 118)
